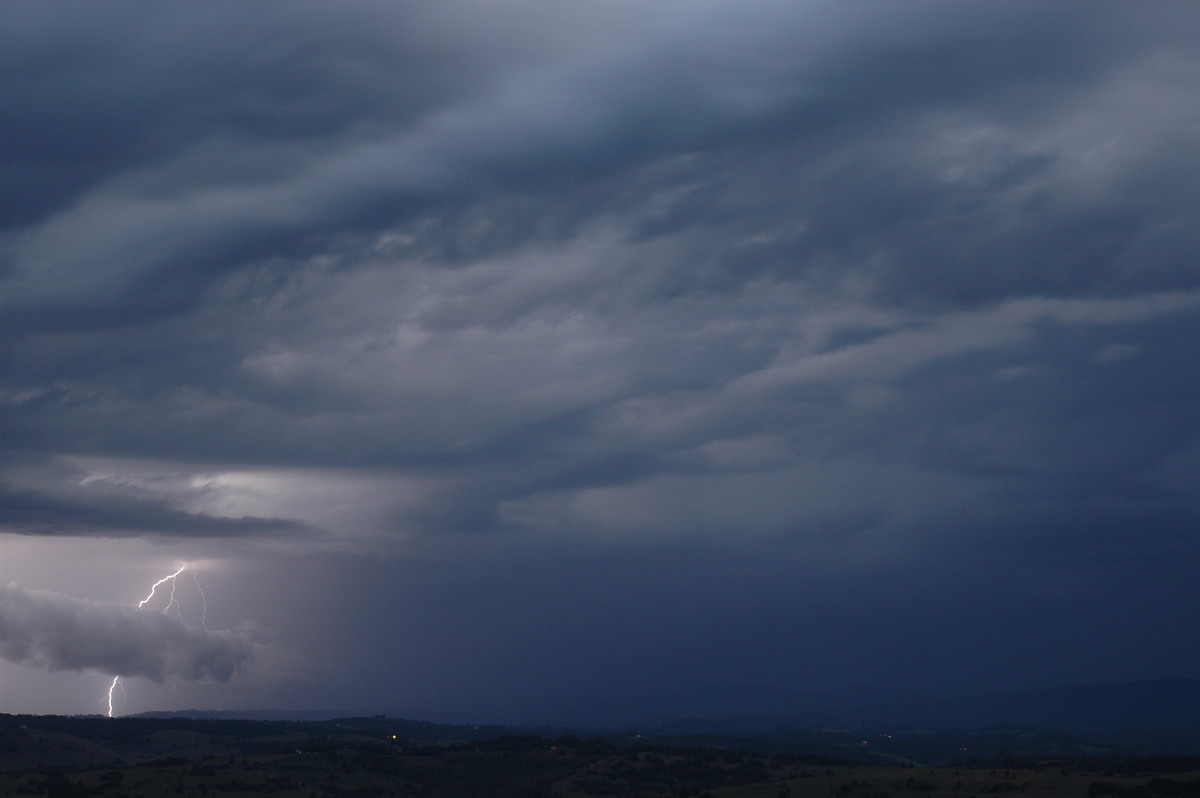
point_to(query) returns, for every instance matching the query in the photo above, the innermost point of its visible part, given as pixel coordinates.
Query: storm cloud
(552, 343)
(56, 632)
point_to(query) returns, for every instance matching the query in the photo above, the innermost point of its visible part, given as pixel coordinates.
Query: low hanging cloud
(49, 630)
(30, 512)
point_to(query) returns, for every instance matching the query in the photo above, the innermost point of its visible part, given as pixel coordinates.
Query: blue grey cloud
(836, 309)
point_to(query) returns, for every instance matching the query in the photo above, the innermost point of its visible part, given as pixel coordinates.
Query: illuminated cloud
(48, 630)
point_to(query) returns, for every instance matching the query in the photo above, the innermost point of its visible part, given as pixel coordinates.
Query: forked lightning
(116, 682)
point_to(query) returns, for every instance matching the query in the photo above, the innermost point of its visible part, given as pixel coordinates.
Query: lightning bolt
(154, 587)
(116, 682)
(203, 602)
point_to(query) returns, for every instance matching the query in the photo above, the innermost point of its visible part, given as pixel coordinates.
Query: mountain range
(1156, 704)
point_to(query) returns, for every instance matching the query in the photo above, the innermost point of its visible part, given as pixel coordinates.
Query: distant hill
(255, 714)
(1166, 703)
(1158, 714)
(1155, 704)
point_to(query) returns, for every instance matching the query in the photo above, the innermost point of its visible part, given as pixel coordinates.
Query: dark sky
(477, 357)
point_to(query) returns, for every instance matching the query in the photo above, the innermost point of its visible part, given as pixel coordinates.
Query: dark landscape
(1092, 742)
